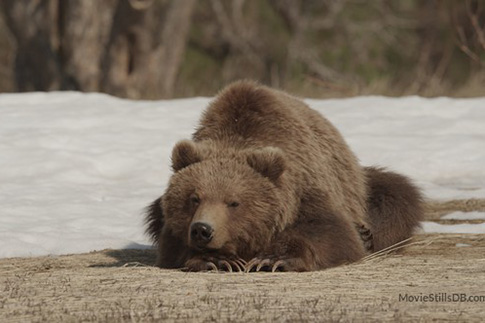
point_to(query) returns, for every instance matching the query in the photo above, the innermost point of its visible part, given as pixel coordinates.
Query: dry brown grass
(435, 210)
(121, 285)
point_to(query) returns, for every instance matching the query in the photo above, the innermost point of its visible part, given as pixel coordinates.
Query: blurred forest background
(155, 49)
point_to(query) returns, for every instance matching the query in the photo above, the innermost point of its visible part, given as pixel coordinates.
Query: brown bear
(266, 183)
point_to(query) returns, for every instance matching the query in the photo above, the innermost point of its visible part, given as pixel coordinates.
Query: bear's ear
(184, 153)
(268, 161)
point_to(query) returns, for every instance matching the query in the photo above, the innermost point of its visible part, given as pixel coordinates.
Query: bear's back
(246, 115)
(251, 115)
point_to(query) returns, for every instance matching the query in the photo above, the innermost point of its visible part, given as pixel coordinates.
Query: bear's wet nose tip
(201, 233)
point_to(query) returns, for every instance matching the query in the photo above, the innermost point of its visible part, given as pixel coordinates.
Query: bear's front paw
(274, 264)
(211, 263)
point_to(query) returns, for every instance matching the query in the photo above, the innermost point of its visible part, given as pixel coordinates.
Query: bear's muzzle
(201, 234)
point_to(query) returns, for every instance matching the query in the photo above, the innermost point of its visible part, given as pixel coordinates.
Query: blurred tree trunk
(129, 48)
(32, 24)
(83, 30)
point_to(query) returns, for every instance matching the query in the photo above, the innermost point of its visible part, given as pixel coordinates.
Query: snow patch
(433, 227)
(77, 170)
(464, 216)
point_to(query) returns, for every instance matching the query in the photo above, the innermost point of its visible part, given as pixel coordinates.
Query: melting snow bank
(433, 227)
(464, 216)
(438, 142)
(78, 169)
(27, 243)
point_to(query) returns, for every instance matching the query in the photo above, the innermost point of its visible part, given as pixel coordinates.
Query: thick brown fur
(279, 188)
(395, 207)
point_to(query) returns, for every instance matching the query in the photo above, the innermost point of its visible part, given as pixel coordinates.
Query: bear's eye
(233, 204)
(194, 199)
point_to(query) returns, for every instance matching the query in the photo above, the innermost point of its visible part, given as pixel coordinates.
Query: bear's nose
(201, 233)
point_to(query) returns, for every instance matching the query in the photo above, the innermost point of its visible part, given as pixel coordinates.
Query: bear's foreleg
(313, 243)
(173, 253)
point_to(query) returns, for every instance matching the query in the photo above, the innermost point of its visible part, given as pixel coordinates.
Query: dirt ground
(122, 285)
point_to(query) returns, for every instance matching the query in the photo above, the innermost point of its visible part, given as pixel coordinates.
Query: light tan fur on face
(214, 213)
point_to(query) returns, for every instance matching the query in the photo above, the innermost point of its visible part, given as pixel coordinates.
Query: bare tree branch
(473, 16)
(174, 39)
(233, 33)
(462, 41)
(39, 71)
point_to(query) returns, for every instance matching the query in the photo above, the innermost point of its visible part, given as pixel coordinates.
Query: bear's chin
(225, 250)
(203, 250)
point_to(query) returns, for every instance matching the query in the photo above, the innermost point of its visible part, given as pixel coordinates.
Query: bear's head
(228, 203)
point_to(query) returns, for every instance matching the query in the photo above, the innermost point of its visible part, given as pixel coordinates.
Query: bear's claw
(367, 237)
(280, 264)
(215, 264)
(231, 265)
(225, 264)
(240, 265)
(266, 264)
(211, 265)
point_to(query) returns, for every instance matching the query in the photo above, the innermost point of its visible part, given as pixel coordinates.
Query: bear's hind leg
(395, 207)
